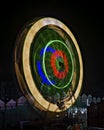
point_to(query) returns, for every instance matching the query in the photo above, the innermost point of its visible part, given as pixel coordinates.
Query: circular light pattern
(59, 66)
(48, 64)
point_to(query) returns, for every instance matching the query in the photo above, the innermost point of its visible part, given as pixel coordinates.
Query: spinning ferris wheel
(48, 64)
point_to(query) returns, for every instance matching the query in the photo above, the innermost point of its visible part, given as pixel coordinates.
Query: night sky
(85, 20)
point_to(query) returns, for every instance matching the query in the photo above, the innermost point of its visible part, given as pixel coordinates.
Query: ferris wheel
(48, 64)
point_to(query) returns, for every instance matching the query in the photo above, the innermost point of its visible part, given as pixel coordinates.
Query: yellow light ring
(23, 70)
(26, 63)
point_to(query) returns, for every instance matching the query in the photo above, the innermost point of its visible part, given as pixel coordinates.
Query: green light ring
(44, 68)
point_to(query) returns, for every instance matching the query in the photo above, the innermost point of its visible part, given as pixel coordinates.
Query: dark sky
(85, 21)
